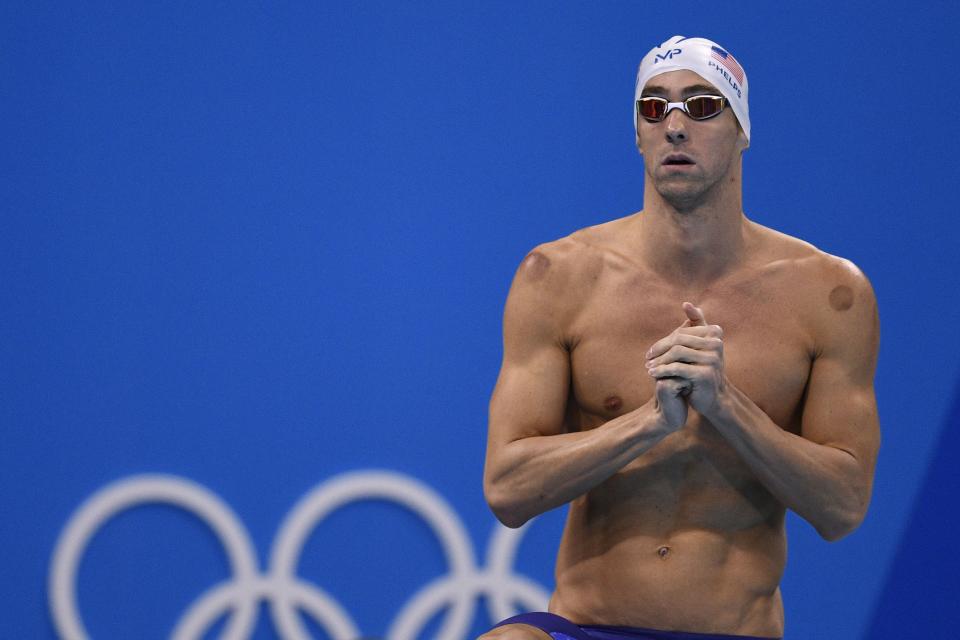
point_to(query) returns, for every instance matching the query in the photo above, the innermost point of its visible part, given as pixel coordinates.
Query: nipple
(612, 403)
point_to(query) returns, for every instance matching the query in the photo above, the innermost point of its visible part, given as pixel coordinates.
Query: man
(681, 377)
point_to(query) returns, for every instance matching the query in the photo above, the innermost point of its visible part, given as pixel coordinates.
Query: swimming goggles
(697, 107)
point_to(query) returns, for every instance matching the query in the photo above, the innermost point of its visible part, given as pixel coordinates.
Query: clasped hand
(688, 367)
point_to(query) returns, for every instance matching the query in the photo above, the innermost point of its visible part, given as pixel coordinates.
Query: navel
(841, 298)
(663, 552)
(612, 403)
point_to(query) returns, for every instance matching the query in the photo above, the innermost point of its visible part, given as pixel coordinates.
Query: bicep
(530, 396)
(841, 412)
(840, 409)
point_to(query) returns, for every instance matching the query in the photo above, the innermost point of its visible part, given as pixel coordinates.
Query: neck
(693, 243)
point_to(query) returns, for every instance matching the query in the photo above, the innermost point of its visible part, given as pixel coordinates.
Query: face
(686, 159)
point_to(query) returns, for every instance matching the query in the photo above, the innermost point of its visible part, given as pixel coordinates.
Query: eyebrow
(692, 90)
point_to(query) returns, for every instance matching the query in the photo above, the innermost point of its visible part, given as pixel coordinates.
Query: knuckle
(666, 388)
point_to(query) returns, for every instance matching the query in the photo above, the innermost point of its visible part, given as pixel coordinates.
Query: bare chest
(766, 346)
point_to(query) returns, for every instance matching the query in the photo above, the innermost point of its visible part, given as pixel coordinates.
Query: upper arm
(530, 396)
(840, 409)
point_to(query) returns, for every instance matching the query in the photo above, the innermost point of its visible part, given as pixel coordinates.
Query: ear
(742, 142)
(636, 128)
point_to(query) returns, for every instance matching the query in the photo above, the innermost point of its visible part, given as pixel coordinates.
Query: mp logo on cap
(667, 55)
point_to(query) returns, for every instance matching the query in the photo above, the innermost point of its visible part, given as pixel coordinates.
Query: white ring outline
(131, 492)
(281, 588)
(382, 485)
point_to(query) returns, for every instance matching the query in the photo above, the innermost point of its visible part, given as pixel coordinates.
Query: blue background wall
(257, 245)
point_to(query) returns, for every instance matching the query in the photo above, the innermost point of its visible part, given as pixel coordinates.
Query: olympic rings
(280, 587)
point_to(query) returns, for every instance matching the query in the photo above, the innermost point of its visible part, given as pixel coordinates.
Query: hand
(671, 402)
(692, 354)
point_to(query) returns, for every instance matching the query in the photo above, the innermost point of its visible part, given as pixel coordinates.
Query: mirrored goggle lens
(702, 107)
(653, 109)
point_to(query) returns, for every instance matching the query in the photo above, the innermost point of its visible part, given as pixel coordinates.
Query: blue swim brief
(560, 628)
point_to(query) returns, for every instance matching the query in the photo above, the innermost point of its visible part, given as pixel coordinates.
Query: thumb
(695, 317)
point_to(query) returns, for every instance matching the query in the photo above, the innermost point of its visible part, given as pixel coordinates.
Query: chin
(681, 194)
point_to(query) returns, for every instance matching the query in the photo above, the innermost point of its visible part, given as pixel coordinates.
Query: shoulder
(553, 281)
(832, 284)
(831, 292)
(843, 309)
(813, 270)
(564, 266)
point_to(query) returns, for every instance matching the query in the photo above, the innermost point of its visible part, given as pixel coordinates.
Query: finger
(689, 372)
(673, 386)
(692, 319)
(710, 330)
(708, 337)
(694, 315)
(688, 354)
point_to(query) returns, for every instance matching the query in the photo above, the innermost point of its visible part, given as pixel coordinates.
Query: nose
(676, 126)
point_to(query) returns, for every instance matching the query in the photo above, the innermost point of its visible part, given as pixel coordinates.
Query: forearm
(532, 475)
(825, 485)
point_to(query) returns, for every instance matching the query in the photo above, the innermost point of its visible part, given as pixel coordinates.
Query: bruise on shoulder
(841, 297)
(535, 265)
(845, 277)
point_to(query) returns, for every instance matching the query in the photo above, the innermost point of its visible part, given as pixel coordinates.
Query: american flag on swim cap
(728, 61)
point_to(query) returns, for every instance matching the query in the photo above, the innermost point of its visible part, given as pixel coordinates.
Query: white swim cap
(708, 59)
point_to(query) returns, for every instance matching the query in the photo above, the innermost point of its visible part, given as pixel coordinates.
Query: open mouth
(677, 160)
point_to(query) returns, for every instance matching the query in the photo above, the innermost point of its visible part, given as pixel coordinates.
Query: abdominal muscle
(671, 543)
